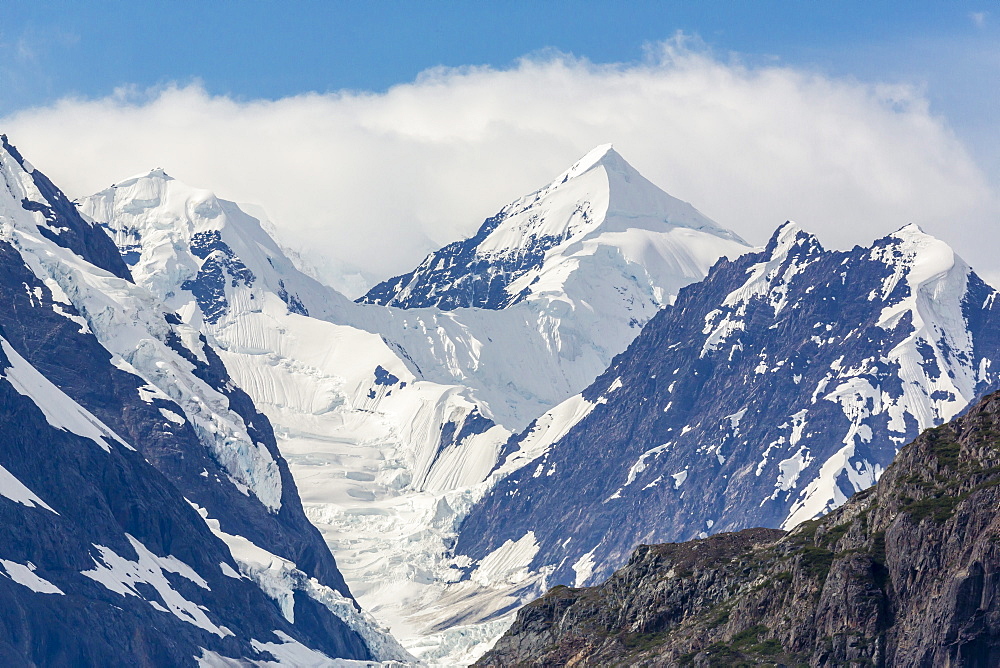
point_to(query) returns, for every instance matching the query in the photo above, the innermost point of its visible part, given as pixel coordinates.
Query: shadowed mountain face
(764, 396)
(904, 574)
(149, 515)
(103, 560)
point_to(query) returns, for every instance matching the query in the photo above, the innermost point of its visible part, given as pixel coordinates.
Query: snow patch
(640, 464)
(508, 563)
(15, 490)
(172, 416)
(24, 574)
(293, 654)
(120, 575)
(584, 568)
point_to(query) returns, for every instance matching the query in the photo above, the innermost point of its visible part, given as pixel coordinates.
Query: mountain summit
(515, 251)
(201, 255)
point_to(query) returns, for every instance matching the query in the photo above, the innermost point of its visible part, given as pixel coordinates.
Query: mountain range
(392, 418)
(600, 366)
(766, 395)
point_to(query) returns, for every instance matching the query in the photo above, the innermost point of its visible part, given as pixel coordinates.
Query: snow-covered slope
(523, 250)
(102, 358)
(391, 419)
(564, 277)
(764, 396)
(201, 254)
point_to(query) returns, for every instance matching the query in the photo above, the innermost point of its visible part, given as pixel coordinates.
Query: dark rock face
(109, 508)
(103, 498)
(766, 395)
(459, 275)
(295, 304)
(904, 574)
(220, 265)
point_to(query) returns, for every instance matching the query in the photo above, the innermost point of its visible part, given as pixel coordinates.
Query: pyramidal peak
(605, 154)
(633, 200)
(599, 202)
(601, 192)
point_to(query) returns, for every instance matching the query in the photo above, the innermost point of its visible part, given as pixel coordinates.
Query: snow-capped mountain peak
(576, 268)
(765, 396)
(600, 193)
(600, 207)
(199, 253)
(597, 155)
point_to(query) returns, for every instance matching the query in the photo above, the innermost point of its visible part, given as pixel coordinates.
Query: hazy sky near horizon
(353, 123)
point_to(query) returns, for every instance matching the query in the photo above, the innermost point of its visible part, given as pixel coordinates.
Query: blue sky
(201, 76)
(269, 49)
(274, 49)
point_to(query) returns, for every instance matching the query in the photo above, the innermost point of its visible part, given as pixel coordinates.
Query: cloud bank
(366, 183)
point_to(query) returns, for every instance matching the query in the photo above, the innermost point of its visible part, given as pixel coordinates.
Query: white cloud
(376, 180)
(978, 18)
